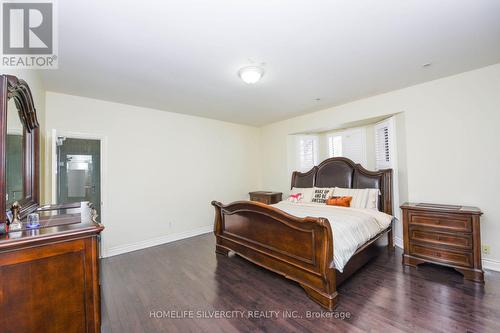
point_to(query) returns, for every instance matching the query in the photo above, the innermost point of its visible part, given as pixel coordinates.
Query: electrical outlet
(486, 249)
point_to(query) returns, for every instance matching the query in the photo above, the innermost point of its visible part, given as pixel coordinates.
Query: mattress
(352, 227)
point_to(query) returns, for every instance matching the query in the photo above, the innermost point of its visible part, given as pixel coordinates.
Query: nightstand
(266, 197)
(443, 234)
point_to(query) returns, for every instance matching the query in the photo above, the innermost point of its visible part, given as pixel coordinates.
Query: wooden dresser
(443, 234)
(50, 275)
(266, 197)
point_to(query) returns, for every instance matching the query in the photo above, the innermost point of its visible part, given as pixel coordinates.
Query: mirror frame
(12, 87)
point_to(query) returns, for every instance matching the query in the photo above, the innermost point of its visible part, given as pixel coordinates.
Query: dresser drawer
(464, 259)
(446, 222)
(461, 241)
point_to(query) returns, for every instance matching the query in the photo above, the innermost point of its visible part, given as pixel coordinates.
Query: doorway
(78, 171)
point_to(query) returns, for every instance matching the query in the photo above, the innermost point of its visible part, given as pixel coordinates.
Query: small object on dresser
(33, 221)
(16, 224)
(9, 217)
(267, 197)
(445, 235)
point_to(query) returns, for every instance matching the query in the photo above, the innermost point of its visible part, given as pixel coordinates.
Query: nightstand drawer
(464, 259)
(260, 199)
(461, 241)
(450, 222)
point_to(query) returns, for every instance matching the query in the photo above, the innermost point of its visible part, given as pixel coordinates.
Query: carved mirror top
(20, 92)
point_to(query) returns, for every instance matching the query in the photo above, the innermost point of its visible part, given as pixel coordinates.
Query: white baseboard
(492, 265)
(156, 241)
(398, 242)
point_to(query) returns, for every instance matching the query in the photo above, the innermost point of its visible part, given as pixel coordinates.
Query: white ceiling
(183, 56)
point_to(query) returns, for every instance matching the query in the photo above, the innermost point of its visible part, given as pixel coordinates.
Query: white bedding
(352, 227)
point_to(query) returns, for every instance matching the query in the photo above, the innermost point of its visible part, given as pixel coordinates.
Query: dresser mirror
(19, 147)
(14, 156)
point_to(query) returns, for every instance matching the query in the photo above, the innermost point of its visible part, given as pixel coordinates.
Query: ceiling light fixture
(251, 74)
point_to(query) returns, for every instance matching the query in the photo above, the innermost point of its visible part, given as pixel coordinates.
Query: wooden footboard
(301, 249)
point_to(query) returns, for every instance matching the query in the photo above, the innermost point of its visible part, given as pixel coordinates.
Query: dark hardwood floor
(141, 289)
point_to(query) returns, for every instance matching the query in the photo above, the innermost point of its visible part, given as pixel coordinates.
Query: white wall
(161, 168)
(447, 138)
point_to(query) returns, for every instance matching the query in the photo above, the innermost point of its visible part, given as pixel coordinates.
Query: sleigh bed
(302, 249)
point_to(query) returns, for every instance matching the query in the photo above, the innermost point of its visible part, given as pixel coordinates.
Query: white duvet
(352, 227)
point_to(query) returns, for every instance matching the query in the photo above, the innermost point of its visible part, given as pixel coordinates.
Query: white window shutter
(383, 144)
(386, 156)
(307, 152)
(335, 146)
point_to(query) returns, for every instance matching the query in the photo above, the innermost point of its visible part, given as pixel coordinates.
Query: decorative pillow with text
(321, 194)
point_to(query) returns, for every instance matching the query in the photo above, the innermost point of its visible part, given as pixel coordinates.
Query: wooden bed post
(218, 229)
(390, 239)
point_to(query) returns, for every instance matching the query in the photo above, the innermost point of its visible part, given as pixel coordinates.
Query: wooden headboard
(342, 172)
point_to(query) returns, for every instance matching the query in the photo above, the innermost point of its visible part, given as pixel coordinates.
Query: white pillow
(307, 193)
(321, 194)
(361, 197)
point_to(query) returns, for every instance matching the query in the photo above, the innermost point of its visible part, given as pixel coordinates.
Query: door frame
(54, 133)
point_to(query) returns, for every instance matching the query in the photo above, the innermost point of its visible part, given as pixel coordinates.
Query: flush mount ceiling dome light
(251, 74)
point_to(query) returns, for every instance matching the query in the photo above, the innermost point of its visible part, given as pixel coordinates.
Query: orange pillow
(339, 201)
